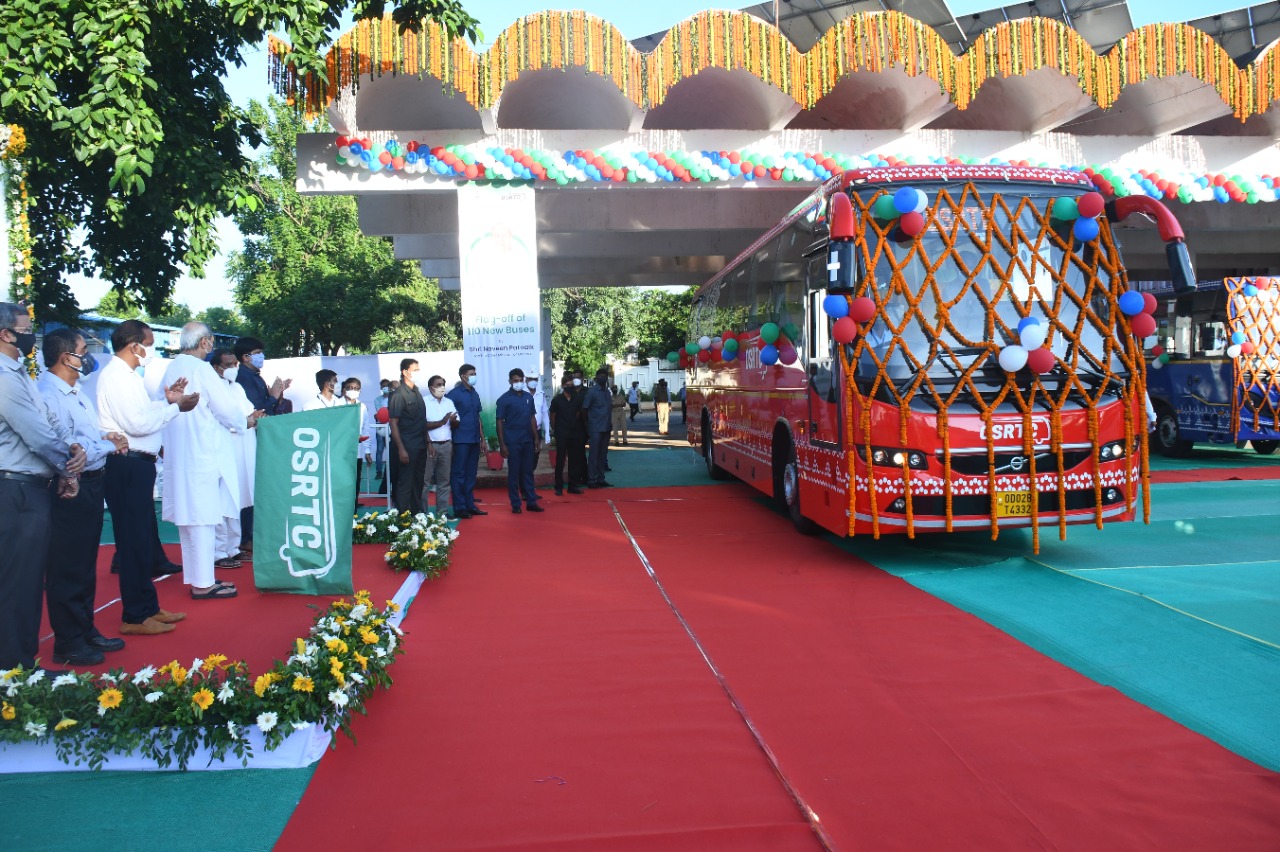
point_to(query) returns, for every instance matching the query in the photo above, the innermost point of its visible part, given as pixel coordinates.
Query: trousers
(465, 466)
(440, 474)
(130, 484)
(197, 553)
(71, 567)
(25, 512)
(226, 538)
(664, 417)
(597, 460)
(520, 461)
(412, 478)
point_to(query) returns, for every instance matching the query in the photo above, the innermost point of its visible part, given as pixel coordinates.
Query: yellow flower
(110, 698)
(301, 646)
(263, 683)
(64, 724)
(335, 665)
(404, 555)
(302, 684)
(202, 699)
(393, 606)
(178, 673)
(7, 712)
(362, 660)
(336, 645)
(368, 636)
(213, 661)
(12, 673)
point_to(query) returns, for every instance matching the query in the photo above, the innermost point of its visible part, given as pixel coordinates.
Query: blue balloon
(728, 354)
(1026, 321)
(1085, 229)
(356, 147)
(748, 175)
(1131, 303)
(904, 200)
(769, 355)
(411, 157)
(1249, 290)
(1238, 337)
(836, 306)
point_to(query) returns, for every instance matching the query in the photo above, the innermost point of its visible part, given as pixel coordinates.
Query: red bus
(870, 362)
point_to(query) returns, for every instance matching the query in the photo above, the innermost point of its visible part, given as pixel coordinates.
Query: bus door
(825, 414)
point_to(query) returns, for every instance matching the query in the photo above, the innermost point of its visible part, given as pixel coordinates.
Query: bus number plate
(1013, 504)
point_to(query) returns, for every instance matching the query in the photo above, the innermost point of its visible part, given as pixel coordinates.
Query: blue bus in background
(1214, 377)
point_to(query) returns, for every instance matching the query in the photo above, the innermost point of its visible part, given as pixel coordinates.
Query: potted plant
(493, 458)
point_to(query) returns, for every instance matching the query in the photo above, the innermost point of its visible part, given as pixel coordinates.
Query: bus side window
(818, 343)
(1212, 339)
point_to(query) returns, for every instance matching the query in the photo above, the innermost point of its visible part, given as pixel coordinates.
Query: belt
(28, 478)
(445, 441)
(139, 454)
(93, 474)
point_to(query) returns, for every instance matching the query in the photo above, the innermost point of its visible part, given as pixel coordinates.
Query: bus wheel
(714, 470)
(1167, 439)
(1265, 448)
(789, 494)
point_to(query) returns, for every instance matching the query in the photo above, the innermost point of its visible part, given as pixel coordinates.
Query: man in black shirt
(407, 414)
(269, 400)
(570, 435)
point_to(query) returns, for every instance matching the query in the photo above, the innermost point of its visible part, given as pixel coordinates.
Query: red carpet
(903, 722)
(1216, 474)
(255, 627)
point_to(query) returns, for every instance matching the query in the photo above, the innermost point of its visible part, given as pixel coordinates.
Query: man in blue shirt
(467, 438)
(519, 441)
(269, 400)
(597, 412)
(70, 567)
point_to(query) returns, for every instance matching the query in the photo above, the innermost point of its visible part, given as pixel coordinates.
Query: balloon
(1026, 321)
(717, 344)
(1149, 303)
(1238, 337)
(1247, 348)
(1233, 351)
(1262, 283)
(904, 200)
(1157, 351)
(1143, 325)
(835, 306)
(1157, 364)
(844, 330)
(691, 348)
(1091, 204)
(704, 356)
(911, 224)
(788, 354)
(1131, 303)
(862, 309)
(673, 356)
(1164, 359)
(922, 202)
(729, 354)
(884, 208)
(1249, 290)
(1013, 358)
(1033, 336)
(1085, 229)
(1040, 360)
(731, 344)
(769, 355)
(1065, 209)
(769, 332)
(704, 342)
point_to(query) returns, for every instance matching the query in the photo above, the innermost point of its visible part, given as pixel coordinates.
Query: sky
(633, 19)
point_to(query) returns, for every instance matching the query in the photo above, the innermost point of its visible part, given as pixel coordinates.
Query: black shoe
(166, 568)
(606, 467)
(576, 490)
(81, 657)
(462, 515)
(534, 507)
(515, 510)
(477, 511)
(559, 492)
(603, 484)
(102, 643)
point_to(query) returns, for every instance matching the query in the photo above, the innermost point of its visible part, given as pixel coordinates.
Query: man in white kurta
(229, 536)
(201, 483)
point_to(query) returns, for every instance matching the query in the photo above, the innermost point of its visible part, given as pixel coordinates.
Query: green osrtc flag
(305, 488)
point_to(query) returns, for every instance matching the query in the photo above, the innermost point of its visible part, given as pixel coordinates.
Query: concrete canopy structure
(637, 149)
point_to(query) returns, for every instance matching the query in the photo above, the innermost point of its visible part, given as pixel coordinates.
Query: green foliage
(134, 143)
(119, 305)
(308, 280)
(223, 321)
(663, 322)
(589, 323)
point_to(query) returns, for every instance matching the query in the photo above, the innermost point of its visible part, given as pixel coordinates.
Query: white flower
(11, 691)
(64, 680)
(111, 679)
(357, 677)
(301, 726)
(102, 711)
(231, 729)
(393, 529)
(36, 677)
(153, 697)
(196, 664)
(386, 557)
(37, 730)
(339, 699)
(144, 675)
(371, 530)
(391, 644)
(377, 650)
(267, 721)
(226, 693)
(359, 612)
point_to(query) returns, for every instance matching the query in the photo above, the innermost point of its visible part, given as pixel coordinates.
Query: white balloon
(345, 152)
(1233, 351)
(704, 342)
(1033, 335)
(1157, 364)
(1013, 358)
(922, 202)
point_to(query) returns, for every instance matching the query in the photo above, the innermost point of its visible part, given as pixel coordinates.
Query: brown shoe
(150, 627)
(166, 617)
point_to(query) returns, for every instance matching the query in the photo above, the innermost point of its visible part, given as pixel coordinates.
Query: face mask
(230, 373)
(471, 380)
(386, 391)
(26, 341)
(533, 386)
(567, 388)
(351, 394)
(438, 392)
(87, 364)
(517, 386)
(257, 359)
(413, 377)
(602, 382)
(577, 383)
(145, 358)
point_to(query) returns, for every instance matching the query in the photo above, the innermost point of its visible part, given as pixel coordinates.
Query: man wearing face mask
(408, 419)
(201, 486)
(597, 413)
(228, 537)
(38, 458)
(534, 386)
(70, 567)
(566, 425)
(250, 357)
(578, 461)
(467, 438)
(442, 418)
(380, 415)
(519, 441)
(125, 407)
(327, 382)
(364, 441)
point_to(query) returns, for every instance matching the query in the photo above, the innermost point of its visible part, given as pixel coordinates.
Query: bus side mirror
(841, 265)
(1180, 271)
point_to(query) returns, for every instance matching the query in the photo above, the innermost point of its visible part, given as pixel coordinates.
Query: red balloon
(911, 223)
(735, 158)
(1143, 325)
(1157, 351)
(760, 171)
(343, 141)
(384, 158)
(862, 309)
(1262, 283)
(1149, 303)
(844, 330)
(471, 171)
(1091, 204)
(397, 162)
(715, 356)
(1041, 359)
(1247, 347)
(704, 355)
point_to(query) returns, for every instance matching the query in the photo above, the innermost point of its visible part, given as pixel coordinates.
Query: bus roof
(945, 174)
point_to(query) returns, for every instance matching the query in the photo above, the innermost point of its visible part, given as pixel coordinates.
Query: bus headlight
(897, 457)
(1112, 451)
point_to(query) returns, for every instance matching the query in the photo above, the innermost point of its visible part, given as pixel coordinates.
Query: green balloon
(792, 331)
(731, 345)
(468, 159)
(787, 174)
(1066, 209)
(673, 356)
(631, 177)
(884, 208)
(691, 348)
(769, 332)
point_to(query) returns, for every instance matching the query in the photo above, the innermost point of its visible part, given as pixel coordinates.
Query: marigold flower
(368, 636)
(362, 660)
(262, 684)
(64, 724)
(335, 665)
(7, 712)
(202, 699)
(302, 684)
(213, 661)
(336, 645)
(111, 698)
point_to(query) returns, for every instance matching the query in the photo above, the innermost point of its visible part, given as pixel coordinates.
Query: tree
(662, 325)
(223, 321)
(135, 143)
(118, 306)
(590, 323)
(307, 279)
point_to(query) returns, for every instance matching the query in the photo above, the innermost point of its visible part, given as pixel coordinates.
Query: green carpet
(1211, 456)
(651, 460)
(236, 811)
